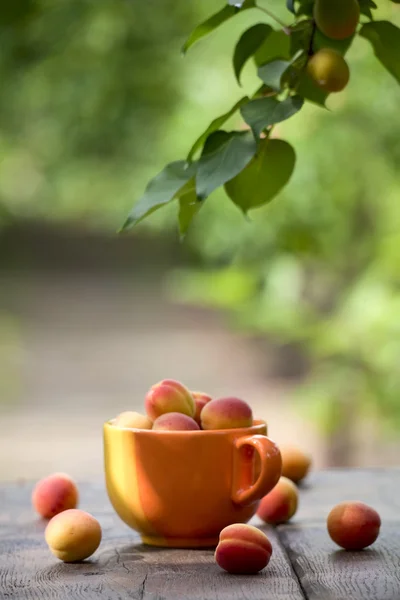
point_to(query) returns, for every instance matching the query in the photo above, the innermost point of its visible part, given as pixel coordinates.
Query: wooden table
(305, 562)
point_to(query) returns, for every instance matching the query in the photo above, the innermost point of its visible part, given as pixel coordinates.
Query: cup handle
(244, 490)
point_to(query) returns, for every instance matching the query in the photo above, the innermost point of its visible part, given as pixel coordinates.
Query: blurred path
(90, 347)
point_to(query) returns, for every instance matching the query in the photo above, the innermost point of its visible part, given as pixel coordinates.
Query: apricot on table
(329, 70)
(169, 396)
(200, 399)
(226, 413)
(54, 494)
(337, 19)
(175, 422)
(295, 463)
(243, 549)
(73, 535)
(280, 504)
(134, 420)
(353, 525)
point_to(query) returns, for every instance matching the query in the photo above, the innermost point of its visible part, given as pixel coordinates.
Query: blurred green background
(297, 309)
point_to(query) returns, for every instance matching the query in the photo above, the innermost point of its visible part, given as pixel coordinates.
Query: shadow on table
(344, 557)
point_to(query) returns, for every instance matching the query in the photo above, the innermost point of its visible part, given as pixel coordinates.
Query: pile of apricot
(171, 406)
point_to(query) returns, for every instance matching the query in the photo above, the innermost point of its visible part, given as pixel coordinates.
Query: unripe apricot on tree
(295, 463)
(169, 396)
(175, 422)
(280, 504)
(73, 535)
(328, 69)
(226, 413)
(353, 525)
(54, 494)
(200, 400)
(337, 19)
(243, 549)
(134, 420)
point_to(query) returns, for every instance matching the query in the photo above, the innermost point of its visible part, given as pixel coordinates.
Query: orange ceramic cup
(181, 488)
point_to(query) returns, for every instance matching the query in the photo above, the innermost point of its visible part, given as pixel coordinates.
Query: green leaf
(224, 156)
(303, 34)
(208, 26)
(306, 7)
(385, 39)
(277, 45)
(189, 206)
(214, 22)
(214, 126)
(300, 36)
(263, 91)
(264, 177)
(161, 190)
(271, 73)
(263, 112)
(307, 89)
(322, 41)
(248, 44)
(290, 6)
(365, 10)
(365, 7)
(238, 3)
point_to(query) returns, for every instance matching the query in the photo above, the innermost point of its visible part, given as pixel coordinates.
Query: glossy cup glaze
(181, 488)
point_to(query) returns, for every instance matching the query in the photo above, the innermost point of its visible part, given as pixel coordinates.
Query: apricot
(280, 504)
(169, 396)
(353, 525)
(134, 420)
(243, 549)
(295, 463)
(226, 413)
(337, 19)
(175, 422)
(200, 400)
(73, 535)
(54, 494)
(328, 69)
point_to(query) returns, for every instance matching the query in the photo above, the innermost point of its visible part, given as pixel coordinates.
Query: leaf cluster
(250, 163)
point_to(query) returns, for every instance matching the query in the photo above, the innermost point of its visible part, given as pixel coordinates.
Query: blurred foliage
(86, 96)
(88, 92)
(296, 64)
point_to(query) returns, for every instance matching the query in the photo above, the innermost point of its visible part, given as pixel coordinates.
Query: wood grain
(122, 567)
(322, 490)
(329, 573)
(305, 562)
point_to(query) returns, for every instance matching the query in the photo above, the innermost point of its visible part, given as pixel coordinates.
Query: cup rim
(258, 424)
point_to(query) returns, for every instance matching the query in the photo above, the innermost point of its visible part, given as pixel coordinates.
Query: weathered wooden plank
(322, 490)
(122, 567)
(328, 573)
(325, 571)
